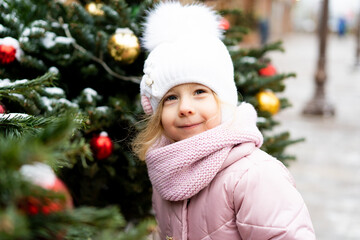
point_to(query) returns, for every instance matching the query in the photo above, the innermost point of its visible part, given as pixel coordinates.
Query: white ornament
(39, 174)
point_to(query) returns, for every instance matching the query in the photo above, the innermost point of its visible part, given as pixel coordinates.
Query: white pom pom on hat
(171, 21)
(185, 47)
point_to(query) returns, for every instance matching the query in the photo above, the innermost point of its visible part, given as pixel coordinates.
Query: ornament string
(96, 59)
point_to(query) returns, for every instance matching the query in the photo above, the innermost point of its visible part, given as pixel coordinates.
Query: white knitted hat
(185, 47)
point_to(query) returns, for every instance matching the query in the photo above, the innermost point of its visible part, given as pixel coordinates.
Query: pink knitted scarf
(180, 170)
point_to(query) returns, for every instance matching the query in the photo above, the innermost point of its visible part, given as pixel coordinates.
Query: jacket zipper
(185, 219)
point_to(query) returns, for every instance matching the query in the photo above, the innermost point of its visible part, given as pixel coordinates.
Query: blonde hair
(152, 130)
(149, 133)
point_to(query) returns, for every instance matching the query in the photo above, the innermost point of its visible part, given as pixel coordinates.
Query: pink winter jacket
(253, 196)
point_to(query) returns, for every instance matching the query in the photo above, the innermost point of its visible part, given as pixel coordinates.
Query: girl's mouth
(189, 126)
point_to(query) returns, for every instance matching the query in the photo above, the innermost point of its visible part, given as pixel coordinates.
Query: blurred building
(272, 17)
(306, 14)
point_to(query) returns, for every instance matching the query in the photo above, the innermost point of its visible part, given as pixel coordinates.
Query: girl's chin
(189, 135)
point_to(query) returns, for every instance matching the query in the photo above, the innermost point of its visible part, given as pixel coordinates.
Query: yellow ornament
(268, 101)
(124, 46)
(94, 9)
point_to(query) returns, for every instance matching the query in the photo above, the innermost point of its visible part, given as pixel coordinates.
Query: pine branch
(111, 14)
(96, 59)
(32, 62)
(275, 145)
(69, 153)
(265, 122)
(82, 14)
(92, 223)
(28, 138)
(99, 218)
(274, 83)
(258, 53)
(19, 86)
(141, 231)
(16, 124)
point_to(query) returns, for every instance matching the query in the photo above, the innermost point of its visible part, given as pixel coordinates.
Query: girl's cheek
(214, 122)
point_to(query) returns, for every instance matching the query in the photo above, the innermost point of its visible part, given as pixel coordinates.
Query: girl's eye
(170, 98)
(199, 91)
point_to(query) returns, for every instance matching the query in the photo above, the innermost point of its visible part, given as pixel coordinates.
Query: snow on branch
(7, 86)
(96, 59)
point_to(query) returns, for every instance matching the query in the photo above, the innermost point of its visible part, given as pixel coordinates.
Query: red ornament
(224, 24)
(42, 205)
(2, 109)
(45, 206)
(42, 175)
(267, 71)
(101, 145)
(7, 54)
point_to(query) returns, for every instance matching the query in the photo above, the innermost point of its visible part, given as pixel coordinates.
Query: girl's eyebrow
(169, 93)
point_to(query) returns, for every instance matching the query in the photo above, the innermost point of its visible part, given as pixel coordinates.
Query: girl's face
(189, 109)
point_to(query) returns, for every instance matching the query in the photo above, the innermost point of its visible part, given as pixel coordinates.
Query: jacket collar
(237, 153)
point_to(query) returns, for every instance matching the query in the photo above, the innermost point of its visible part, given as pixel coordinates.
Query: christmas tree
(69, 84)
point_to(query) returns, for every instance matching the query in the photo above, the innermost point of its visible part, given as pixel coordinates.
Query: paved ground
(327, 170)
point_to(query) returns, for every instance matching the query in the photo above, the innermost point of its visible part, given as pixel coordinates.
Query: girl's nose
(186, 107)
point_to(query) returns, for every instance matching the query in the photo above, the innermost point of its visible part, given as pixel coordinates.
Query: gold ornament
(268, 101)
(94, 9)
(124, 46)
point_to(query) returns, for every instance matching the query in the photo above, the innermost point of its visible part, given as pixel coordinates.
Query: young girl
(210, 179)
